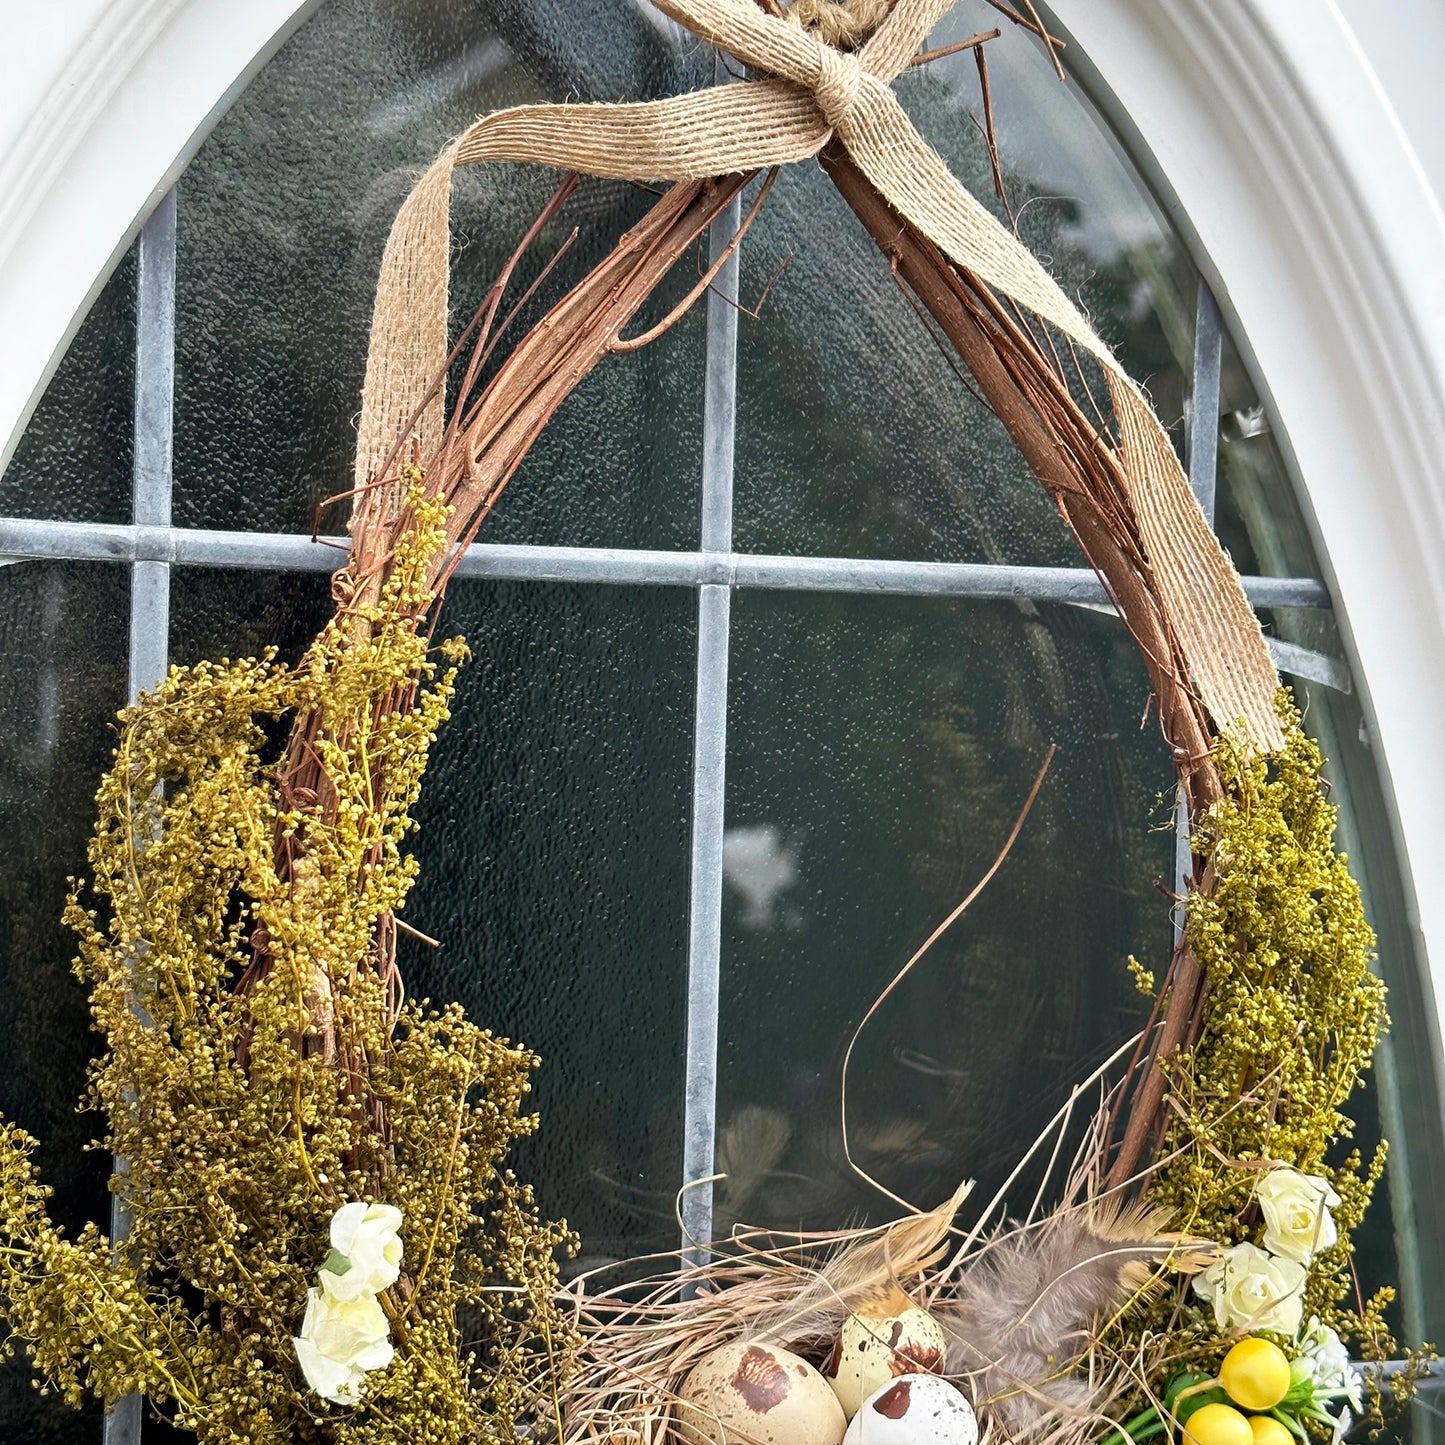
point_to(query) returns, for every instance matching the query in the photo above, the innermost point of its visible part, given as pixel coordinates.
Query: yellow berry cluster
(247, 1116)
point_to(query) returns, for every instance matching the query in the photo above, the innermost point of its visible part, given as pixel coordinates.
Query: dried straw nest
(1026, 1307)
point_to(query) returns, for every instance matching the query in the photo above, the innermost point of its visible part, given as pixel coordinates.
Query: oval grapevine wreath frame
(274, 1092)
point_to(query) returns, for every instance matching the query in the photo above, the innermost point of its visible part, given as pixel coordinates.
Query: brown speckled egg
(874, 1348)
(744, 1392)
(914, 1410)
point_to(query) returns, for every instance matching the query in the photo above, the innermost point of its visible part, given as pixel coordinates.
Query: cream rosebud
(1252, 1290)
(366, 1235)
(1296, 1208)
(340, 1340)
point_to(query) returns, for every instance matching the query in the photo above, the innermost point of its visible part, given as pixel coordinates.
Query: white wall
(1303, 139)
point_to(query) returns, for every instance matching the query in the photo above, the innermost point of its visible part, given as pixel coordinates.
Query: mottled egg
(745, 1392)
(874, 1348)
(914, 1410)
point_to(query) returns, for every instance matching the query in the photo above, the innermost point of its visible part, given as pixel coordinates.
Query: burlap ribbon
(812, 91)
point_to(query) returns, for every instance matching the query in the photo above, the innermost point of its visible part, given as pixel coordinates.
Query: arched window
(771, 633)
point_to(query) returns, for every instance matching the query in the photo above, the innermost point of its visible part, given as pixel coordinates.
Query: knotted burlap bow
(812, 92)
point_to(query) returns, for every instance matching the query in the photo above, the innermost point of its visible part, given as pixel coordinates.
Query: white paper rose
(1253, 1290)
(1297, 1219)
(340, 1341)
(365, 1237)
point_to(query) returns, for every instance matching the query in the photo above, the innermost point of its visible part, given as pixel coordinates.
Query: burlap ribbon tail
(809, 92)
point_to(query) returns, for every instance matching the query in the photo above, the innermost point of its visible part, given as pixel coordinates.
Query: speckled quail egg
(747, 1392)
(914, 1410)
(874, 1347)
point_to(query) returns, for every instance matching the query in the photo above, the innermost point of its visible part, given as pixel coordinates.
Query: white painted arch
(1310, 183)
(111, 101)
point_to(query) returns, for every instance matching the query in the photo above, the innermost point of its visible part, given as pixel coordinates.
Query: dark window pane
(554, 871)
(62, 678)
(283, 215)
(74, 462)
(880, 750)
(224, 613)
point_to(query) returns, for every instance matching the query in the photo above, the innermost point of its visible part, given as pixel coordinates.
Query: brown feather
(1018, 1320)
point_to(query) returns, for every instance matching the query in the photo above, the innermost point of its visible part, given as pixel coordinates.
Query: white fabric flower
(366, 1236)
(1297, 1219)
(1252, 1290)
(1324, 1361)
(340, 1340)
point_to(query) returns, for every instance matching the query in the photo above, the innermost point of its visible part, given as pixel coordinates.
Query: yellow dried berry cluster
(243, 1134)
(1292, 1017)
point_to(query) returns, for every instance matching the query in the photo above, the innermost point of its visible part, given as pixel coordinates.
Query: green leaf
(336, 1263)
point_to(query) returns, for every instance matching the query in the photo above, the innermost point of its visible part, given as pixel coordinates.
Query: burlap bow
(811, 92)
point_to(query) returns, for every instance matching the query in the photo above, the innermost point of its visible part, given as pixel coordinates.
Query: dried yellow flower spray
(1292, 1018)
(248, 1116)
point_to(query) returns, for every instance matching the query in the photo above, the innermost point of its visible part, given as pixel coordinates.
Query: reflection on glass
(553, 854)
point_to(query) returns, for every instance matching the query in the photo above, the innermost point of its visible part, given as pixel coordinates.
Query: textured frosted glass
(554, 872)
(62, 677)
(73, 462)
(282, 218)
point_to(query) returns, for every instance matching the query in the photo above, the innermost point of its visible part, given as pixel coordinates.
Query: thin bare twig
(1034, 26)
(927, 57)
(416, 932)
(484, 353)
(926, 321)
(907, 968)
(675, 315)
(990, 134)
(755, 311)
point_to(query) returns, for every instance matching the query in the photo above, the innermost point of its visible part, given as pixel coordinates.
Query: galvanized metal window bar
(150, 579)
(710, 729)
(1202, 448)
(151, 545)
